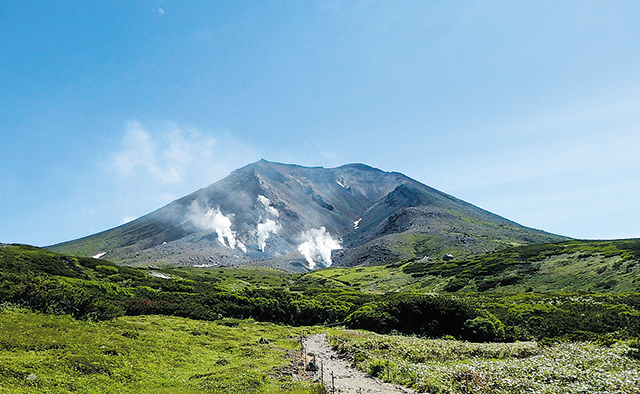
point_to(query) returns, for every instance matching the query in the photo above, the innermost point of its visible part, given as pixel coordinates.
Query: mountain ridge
(296, 218)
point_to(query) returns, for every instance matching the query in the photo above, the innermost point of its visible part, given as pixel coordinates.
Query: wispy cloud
(154, 165)
(127, 219)
(173, 154)
(142, 154)
(558, 171)
(586, 138)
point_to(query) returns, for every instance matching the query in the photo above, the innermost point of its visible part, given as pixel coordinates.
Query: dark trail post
(333, 383)
(388, 371)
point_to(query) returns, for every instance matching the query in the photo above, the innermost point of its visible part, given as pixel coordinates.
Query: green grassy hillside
(70, 324)
(579, 266)
(570, 266)
(432, 297)
(145, 354)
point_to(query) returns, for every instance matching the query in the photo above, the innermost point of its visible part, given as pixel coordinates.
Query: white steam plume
(214, 220)
(267, 205)
(318, 246)
(264, 230)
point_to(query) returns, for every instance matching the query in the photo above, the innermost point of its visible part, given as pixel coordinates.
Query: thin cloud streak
(596, 139)
(155, 165)
(165, 158)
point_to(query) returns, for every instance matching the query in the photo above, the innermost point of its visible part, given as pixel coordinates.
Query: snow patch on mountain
(266, 203)
(159, 275)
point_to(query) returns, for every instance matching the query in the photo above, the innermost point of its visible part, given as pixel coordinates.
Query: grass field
(99, 327)
(448, 366)
(570, 266)
(162, 354)
(144, 354)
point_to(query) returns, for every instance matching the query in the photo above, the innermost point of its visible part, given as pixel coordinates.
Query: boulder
(312, 366)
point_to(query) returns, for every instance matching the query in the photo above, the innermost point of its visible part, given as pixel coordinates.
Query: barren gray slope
(267, 212)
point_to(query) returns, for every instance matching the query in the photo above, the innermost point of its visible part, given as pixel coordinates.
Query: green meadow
(555, 318)
(441, 366)
(145, 354)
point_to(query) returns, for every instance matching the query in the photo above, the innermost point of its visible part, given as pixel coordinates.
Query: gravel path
(347, 380)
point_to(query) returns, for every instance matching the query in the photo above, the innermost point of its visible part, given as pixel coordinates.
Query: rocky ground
(337, 372)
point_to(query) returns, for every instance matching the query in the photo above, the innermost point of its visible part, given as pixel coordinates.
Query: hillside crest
(299, 218)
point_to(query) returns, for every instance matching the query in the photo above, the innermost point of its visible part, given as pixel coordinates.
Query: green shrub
(379, 368)
(634, 349)
(456, 284)
(229, 322)
(483, 329)
(372, 317)
(106, 269)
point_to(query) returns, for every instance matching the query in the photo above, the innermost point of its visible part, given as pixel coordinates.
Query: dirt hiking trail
(347, 380)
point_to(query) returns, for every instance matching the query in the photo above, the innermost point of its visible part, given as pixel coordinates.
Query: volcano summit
(298, 218)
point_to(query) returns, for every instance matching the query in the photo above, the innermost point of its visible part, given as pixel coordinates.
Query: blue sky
(109, 110)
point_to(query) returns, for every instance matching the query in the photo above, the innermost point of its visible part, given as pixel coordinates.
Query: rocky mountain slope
(299, 218)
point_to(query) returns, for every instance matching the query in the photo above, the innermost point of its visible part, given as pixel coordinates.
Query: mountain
(297, 218)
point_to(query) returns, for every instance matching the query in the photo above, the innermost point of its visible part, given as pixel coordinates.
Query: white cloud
(128, 219)
(592, 138)
(154, 165)
(166, 158)
(83, 211)
(571, 172)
